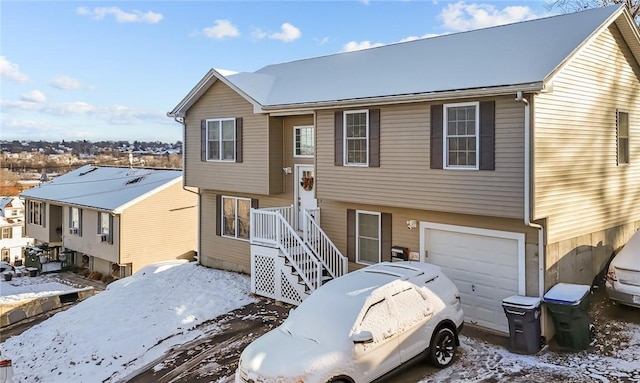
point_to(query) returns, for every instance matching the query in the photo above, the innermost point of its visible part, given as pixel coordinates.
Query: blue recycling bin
(523, 315)
(568, 305)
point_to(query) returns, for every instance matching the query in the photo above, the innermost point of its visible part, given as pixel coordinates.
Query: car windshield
(322, 318)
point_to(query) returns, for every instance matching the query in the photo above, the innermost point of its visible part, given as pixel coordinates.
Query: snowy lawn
(131, 323)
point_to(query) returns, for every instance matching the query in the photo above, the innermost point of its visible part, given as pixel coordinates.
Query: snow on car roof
(338, 303)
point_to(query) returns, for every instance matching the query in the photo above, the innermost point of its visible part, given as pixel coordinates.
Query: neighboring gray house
(114, 220)
(510, 156)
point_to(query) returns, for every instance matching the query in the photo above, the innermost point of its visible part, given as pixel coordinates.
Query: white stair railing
(271, 227)
(332, 259)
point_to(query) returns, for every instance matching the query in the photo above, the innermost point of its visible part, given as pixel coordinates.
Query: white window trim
(221, 120)
(445, 136)
(345, 153)
(295, 130)
(236, 210)
(618, 111)
(357, 223)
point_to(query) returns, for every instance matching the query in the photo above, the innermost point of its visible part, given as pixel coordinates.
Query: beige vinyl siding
(87, 243)
(161, 227)
(222, 252)
(276, 176)
(250, 176)
(333, 216)
(404, 178)
(578, 184)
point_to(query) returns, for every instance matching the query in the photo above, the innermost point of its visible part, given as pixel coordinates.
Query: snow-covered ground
(138, 319)
(131, 323)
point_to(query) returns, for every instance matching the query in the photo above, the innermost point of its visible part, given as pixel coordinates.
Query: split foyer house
(113, 220)
(510, 156)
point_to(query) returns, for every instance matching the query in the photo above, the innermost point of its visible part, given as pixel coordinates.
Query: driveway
(483, 357)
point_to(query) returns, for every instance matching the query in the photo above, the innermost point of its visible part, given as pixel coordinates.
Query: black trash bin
(569, 307)
(523, 314)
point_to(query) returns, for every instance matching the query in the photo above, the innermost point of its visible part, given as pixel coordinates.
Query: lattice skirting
(271, 278)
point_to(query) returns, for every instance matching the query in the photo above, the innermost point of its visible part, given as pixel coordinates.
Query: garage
(486, 266)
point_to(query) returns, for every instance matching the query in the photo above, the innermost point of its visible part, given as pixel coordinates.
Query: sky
(136, 320)
(111, 70)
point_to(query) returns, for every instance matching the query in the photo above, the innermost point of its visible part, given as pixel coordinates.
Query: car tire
(442, 348)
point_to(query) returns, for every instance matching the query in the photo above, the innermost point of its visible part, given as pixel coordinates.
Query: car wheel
(442, 347)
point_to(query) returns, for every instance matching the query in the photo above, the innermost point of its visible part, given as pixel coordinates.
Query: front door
(305, 191)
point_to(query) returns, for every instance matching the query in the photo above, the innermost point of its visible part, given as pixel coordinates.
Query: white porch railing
(273, 227)
(313, 235)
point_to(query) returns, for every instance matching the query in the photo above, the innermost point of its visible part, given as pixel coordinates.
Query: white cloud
(357, 46)
(34, 96)
(461, 16)
(68, 83)
(11, 71)
(221, 30)
(288, 33)
(258, 33)
(121, 16)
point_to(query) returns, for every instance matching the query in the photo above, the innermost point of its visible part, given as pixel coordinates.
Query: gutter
(527, 196)
(181, 120)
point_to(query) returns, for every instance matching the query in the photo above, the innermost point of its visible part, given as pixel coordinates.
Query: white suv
(361, 326)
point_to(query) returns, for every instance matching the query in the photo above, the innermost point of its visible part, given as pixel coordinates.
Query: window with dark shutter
(360, 139)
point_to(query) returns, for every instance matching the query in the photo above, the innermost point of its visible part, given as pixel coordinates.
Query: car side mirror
(362, 337)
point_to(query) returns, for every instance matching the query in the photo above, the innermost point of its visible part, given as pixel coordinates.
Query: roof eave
(284, 109)
(199, 90)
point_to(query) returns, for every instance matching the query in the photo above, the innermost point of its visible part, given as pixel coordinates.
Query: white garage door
(485, 265)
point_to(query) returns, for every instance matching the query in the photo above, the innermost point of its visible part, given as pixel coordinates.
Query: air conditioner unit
(73, 230)
(101, 238)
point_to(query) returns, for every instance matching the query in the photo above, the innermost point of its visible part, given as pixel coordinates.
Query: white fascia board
(283, 110)
(203, 85)
(146, 195)
(586, 42)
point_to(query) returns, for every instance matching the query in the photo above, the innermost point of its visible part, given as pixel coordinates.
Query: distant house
(509, 156)
(12, 239)
(114, 220)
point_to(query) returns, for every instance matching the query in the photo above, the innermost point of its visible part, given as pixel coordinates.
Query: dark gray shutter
(487, 135)
(203, 140)
(111, 233)
(218, 217)
(43, 207)
(338, 131)
(254, 203)
(239, 139)
(385, 245)
(351, 235)
(374, 138)
(80, 222)
(436, 136)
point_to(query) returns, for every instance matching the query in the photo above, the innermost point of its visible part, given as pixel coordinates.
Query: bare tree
(578, 5)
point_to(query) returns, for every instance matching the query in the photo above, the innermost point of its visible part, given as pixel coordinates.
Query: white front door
(305, 191)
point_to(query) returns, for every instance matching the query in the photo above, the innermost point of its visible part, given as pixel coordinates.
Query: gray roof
(104, 188)
(521, 54)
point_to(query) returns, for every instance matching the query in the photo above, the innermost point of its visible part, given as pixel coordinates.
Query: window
(356, 137)
(622, 127)
(236, 217)
(368, 237)
(7, 232)
(461, 132)
(221, 139)
(75, 220)
(36, 213)
(379, 320)
(463, 136)
(303, 141)
(6, 256)
(105, 222)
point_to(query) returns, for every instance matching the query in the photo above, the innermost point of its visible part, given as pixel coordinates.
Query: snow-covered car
(360, 327)
(6, 369)
(4, 266)
(623, 277)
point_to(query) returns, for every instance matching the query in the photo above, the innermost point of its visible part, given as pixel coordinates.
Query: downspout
(527, 197)
(181, 120)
